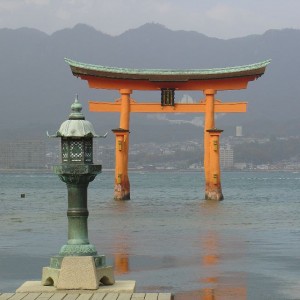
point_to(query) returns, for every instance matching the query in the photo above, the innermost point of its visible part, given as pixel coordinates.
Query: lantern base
(56, 261)
(78, 250)
(78, 272)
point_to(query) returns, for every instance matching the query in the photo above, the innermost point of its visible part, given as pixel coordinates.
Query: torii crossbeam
(168, 81)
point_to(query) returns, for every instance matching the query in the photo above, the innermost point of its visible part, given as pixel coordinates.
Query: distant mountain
(37, 86)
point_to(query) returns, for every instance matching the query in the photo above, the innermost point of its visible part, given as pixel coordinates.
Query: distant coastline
(49, 171)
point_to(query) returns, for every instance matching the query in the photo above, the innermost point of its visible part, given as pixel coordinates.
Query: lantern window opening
(77, 150)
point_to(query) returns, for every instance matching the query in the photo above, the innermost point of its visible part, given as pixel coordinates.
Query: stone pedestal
(78, 272)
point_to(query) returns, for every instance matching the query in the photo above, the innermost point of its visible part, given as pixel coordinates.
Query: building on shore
(238, 131)
(23, 154)
(226, 157)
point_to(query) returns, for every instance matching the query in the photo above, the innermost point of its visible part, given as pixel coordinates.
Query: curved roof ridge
(132, 71)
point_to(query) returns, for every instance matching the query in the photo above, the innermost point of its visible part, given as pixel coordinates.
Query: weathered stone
(214, 195)
(50, 276)
(78, 273)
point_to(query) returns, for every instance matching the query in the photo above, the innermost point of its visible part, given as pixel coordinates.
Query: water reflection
(121, 243)
(165, 238)
(216, 250)
(121, 257)
(211, 257)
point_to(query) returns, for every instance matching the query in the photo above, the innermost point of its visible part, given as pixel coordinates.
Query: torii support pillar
(209, 123)
(122, 185)
(213, 188)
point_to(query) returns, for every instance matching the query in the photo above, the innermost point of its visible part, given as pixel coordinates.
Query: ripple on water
(169, 238)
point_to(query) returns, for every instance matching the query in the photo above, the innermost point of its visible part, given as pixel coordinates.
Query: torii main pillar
(168, 81)
(212, 171)
(122, 183)
(209, 123)
(213, 188)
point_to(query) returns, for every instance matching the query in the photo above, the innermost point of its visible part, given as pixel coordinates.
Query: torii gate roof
(115, 78)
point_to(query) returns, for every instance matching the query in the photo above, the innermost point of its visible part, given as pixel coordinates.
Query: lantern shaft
(77, 214)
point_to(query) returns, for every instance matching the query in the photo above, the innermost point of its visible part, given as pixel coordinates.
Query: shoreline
(49, 171)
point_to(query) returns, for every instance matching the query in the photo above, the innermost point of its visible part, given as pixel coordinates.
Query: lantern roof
(76, 125)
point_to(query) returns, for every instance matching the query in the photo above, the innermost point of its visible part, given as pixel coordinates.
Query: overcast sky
(223, 19)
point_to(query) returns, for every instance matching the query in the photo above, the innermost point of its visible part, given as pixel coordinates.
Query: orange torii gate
(168, 81)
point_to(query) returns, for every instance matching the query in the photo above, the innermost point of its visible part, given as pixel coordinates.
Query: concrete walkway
(85, 296)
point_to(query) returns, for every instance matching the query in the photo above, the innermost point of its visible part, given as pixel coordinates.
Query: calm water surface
(167, 237)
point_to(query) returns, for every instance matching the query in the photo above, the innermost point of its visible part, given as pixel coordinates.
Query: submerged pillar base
(76, 273)
(122, 190)
(120, 194)
(216, 195)
(123, 197)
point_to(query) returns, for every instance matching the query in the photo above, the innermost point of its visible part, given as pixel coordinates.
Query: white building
(226, 157)
(238, 131)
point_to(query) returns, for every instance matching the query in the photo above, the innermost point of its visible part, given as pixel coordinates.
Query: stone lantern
(78, 265)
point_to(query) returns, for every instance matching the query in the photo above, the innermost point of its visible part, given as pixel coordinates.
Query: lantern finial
(76, 108)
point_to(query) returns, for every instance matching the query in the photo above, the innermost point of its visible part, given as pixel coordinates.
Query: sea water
(166, 237)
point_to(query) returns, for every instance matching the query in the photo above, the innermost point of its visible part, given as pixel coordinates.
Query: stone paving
(85, 296)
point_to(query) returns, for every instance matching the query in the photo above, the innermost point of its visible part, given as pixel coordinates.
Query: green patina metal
(79, 68)
(77, 171)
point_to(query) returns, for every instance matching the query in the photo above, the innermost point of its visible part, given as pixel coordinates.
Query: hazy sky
(223, 19)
